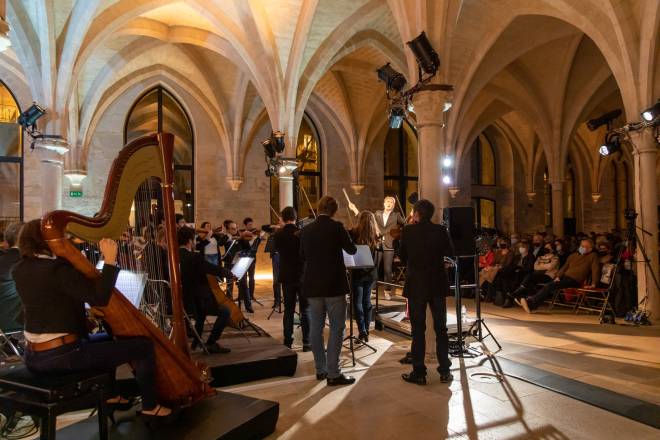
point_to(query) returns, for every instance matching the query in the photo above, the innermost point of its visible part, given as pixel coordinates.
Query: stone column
(52, 165)
(646, 203)
(428, 109)
(557, 187)
(285, 176)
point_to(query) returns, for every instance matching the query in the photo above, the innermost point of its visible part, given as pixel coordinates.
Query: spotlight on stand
(611, 145)
(651, 113)
(397, 115)
(393, 80)
(28, 119)
(427, 58)
(606, 119)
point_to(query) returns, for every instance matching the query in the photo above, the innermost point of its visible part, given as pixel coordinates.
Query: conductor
(423, 247)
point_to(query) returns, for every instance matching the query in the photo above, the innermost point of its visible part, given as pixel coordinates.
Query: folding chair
(597, 299)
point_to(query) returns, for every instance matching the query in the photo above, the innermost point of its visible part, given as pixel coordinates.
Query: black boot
(414, 377)
(508, 301)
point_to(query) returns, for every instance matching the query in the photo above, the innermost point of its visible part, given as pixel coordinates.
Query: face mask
(514, 241)
(582, 250)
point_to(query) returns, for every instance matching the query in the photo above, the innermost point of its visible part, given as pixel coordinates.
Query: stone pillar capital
(235, 182)
(429, 106)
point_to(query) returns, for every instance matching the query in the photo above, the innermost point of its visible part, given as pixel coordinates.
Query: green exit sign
(75, 193)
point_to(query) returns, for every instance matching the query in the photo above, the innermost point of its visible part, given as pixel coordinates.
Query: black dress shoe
(508, 302)
(217, 348)
(446, 377)
(364, 337)
(416, 378)
(321, 376)
(249, 309)
(340, 380)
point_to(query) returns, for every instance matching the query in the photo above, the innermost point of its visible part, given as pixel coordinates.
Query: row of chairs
(596, 299)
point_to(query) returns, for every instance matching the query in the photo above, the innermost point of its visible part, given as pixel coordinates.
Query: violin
(395, 232)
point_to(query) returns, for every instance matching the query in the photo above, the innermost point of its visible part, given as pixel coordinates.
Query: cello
(179, 380)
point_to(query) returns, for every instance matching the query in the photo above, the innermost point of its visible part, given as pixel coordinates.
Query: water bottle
(463, 314)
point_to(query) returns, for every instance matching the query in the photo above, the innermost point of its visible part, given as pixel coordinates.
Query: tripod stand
(633, 240)
(476, 329)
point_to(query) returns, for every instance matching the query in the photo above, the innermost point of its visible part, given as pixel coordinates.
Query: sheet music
(241, 266)
(130, 284)
(362, 258)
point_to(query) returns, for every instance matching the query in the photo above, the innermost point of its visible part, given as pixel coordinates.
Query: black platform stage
(225, 416)
(255, 358)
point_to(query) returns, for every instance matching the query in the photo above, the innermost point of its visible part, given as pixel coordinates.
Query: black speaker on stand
(460, 225)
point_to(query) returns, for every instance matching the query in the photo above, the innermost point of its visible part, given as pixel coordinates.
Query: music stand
(362, 259)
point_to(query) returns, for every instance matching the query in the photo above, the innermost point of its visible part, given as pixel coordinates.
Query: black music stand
(361, 260)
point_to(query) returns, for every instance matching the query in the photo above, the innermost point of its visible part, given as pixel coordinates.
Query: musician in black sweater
(422, 249)
(197, 293)
(287, 245)
(54, 294)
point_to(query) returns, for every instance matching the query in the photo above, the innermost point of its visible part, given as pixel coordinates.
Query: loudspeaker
(460, 224)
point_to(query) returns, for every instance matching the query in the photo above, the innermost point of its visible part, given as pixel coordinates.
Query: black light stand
(459, 350)
(476, 327)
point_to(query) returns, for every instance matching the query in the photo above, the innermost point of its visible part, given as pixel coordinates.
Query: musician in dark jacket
(10, 302)
(287, 245)
(326, 286)
(423, 247)
(54, 294)
(197, 293)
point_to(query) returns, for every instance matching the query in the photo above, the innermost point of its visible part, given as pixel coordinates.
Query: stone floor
(622, 358)
(380, 405)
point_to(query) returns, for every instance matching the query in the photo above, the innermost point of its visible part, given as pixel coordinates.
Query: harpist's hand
(109, 250)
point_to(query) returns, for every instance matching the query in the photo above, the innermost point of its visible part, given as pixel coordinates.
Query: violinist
(250, 239)
(209, 241)
(387, 220)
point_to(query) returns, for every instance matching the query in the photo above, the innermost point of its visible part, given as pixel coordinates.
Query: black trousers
(417, 311)
(549, 290)
(210, 306)
(293, 294)
(530, 281)
(105, 355)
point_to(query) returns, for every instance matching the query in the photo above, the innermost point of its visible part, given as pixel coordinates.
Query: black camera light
(393, 80)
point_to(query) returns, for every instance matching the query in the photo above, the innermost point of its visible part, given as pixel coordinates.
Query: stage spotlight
(607, 118)
(651, 113)
(612, 145)
(427, 58)
(447, 162)
(397, 115)
(392, 79)
(277, 137)
(446, 179)
(269, 148)
(29, 117)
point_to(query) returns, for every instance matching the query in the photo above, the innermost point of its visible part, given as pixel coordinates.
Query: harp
(179, 380)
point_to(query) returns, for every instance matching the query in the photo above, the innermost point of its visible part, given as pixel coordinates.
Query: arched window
(158, 111)
(400, 159)
(547, 198)
(484, 212)
(621, 201)
(309, 181)
(483, 162)
(569, 192)
(11, 159)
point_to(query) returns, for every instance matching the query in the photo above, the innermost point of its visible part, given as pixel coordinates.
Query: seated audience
(574, 273)
(545, 270)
